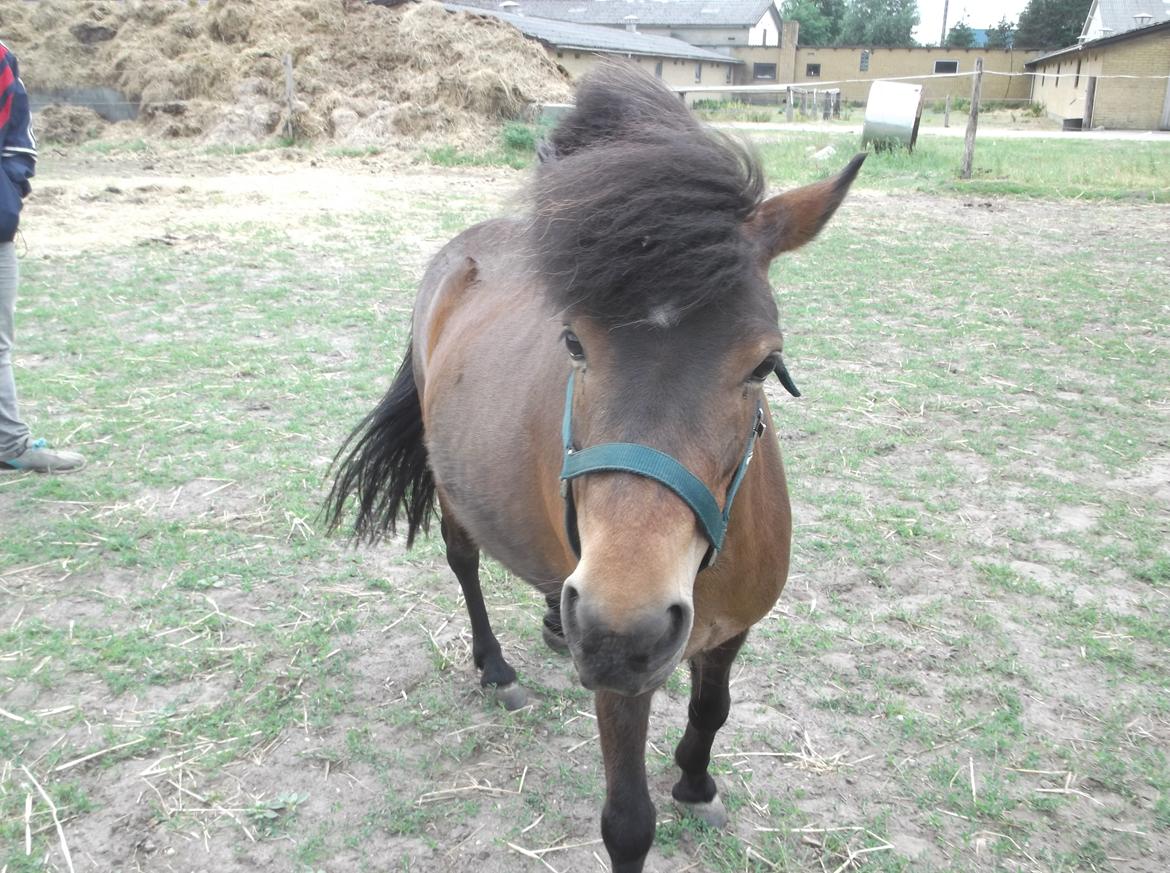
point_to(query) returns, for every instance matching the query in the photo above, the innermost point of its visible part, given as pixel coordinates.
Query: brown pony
(630, 311)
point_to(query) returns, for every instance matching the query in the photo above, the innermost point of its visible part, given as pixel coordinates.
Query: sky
(977, 13)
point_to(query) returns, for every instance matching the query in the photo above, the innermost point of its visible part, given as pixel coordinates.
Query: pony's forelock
(639, 208)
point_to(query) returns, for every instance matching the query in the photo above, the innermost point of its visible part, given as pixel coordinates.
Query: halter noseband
(653, 464)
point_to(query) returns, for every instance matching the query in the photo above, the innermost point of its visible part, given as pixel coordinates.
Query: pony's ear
(789, 220)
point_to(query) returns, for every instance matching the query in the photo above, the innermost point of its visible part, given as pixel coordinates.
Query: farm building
(1118, 76)
(576, 47)
(762, 48)
(747, 34)
(691, 43)
(867, 63)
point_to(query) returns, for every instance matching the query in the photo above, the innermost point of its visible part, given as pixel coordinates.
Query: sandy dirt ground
(842, 769)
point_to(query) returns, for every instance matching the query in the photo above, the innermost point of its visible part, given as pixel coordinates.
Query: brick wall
(1138, 104)
(1063, 84)
(885, 63)
(676, 72)
(1133, 103)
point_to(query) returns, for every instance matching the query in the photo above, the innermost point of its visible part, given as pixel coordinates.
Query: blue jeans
(13, 431)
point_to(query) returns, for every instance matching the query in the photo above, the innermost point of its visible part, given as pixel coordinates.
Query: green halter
(653, 464)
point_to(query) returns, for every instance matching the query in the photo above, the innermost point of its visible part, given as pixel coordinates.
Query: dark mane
(638, 205)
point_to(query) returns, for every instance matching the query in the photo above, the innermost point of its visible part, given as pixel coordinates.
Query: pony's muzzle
(633, 659)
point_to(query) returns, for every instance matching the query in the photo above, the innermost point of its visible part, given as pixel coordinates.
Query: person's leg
(17, 451)
(13, 431)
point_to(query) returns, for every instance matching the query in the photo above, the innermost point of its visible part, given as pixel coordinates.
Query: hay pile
(412, 74)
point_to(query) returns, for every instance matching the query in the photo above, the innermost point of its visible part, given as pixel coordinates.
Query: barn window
(864, 67)
(946, 66)
(764, 71)
(699, 71)
(812, 71)
(658, 69)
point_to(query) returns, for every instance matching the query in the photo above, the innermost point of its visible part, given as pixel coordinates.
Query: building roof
(1114, 17)
(1160, 27)
(650, 13)
(607, 40)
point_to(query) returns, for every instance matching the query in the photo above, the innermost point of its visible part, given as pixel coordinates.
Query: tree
(1051, 23)
(815, 28)
(879, 22)
(961, 36)
(1002, 35)
(820, 20)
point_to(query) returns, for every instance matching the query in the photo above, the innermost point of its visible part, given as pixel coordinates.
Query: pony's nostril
(678, 620)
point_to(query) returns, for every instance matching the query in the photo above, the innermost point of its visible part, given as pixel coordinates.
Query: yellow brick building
(816, 65)
(1080, 85)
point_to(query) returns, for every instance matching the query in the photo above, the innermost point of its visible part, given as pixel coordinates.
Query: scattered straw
(101, 753)
(14, 717)
(28, 803)
(56, 819)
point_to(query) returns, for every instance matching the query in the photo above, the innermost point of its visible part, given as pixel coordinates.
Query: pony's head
(655, 240)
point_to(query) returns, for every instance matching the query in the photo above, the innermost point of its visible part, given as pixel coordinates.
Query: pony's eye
(764, 370)
(576, 350)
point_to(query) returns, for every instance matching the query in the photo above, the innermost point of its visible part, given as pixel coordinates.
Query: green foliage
(879, 23)
(1036, 168)
(820, 20)
(516, 150)
(1002, 35)
(734, 110)
(1051, 23)
(518, 136)
(271, 817)
(961, 36)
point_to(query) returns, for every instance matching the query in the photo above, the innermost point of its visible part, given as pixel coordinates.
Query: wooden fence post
(289, 127)
(972, 123)
(947, 113)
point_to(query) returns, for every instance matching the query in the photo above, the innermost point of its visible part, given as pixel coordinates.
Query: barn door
(1090, 96)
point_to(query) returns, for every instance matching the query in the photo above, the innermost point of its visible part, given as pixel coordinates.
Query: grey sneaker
(39, 458)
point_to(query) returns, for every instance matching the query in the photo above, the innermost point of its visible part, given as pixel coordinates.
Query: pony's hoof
(512, 696)
(712, 813)
(554, 641)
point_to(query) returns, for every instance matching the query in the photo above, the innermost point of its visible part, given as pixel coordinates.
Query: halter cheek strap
(652, 464)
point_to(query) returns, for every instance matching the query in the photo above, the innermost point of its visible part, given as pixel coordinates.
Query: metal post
(947, 113)
(790, 106)
(972, 123)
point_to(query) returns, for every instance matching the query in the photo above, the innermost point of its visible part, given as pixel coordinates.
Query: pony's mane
(639, 208)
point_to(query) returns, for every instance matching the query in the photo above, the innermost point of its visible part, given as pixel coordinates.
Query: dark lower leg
(463, 558)
(710, 703)
(628, 819)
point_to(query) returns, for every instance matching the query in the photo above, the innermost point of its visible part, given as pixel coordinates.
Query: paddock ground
(967, 670)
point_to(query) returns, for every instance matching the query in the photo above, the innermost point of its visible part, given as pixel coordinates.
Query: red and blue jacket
(18, 146)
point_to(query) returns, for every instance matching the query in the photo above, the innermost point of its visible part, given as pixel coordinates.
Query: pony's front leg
(627, 820)
(695, 790)
(463, 558)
